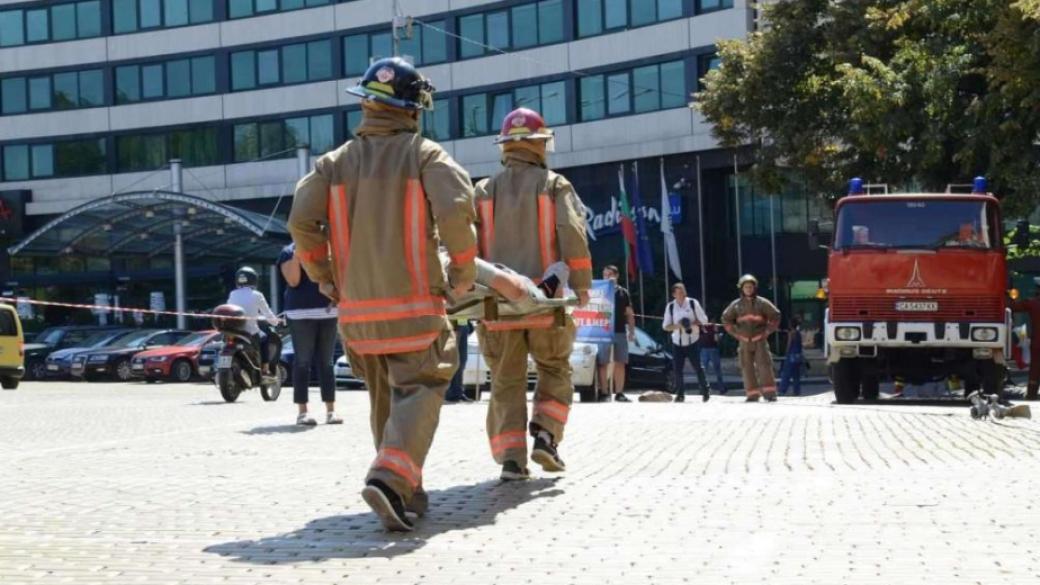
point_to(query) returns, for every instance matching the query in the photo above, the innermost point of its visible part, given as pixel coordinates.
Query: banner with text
(595, 321)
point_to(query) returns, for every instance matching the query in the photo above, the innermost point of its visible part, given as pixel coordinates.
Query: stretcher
(502, 294)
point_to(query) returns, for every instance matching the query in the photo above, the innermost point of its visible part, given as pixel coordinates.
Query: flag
(644, 252)
(670, 246)
(628, 229)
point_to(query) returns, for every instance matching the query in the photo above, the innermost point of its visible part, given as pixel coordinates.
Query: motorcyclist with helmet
(255, 306)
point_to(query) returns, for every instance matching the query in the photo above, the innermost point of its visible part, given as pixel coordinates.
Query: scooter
(238, 366)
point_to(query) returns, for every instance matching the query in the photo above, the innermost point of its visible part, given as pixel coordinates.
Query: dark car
(649, 364)
(114, 361)
(52, 339)
(285, 367)
(59, 363)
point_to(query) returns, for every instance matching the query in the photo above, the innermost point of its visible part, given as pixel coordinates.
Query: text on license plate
(917, 306)
(224, 361)
(138, 366)
(52, 367)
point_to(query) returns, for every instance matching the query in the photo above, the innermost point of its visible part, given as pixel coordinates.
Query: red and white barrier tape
(16, 300)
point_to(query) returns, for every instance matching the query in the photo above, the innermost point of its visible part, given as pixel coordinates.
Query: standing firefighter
(1031, 307)
(530, 218)
(751, 319)
(383, 203)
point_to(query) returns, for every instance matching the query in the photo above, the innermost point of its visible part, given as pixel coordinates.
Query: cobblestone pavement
(131, 483)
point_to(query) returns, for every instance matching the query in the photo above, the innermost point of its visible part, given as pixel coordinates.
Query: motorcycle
(238, 365)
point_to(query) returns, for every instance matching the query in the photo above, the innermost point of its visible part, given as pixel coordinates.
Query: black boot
(387, 505)
(544, 451)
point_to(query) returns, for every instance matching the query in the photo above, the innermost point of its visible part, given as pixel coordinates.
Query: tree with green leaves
(917, 93)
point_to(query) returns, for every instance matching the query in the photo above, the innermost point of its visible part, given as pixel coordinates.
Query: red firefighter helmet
(523, 124)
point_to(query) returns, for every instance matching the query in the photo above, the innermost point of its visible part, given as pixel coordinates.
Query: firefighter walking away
(751, 320)
(530, 219)
(368, 222)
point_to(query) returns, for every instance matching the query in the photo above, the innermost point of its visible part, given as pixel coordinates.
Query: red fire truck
(917, 291)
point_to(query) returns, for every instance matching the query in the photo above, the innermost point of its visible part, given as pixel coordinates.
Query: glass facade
(519, 27)
(60, 91)
(703, 6)
(67, 158)
(428, 45)
(134, 15)
(269, 139)
(146, 152)
(63, 22)
(289, 64)
(246, 8)
(638, 90)
(168, 80)
(599, 16)
(483, 113)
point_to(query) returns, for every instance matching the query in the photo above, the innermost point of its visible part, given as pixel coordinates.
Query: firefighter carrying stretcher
(530, 218)
(384, 203)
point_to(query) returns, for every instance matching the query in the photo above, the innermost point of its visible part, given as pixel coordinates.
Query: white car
(476, 371)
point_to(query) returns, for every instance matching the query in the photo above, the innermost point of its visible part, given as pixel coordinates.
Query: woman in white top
(683, 317)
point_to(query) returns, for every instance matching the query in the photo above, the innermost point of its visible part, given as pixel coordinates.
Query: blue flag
(643, 250)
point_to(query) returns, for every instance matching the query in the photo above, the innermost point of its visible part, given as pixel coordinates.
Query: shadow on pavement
(352, 536)
(278, 429)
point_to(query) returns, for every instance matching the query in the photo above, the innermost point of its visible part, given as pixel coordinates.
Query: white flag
(671, 248)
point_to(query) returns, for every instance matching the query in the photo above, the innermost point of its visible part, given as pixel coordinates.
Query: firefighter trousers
(406, 391)
(506, 353)
(756, 367)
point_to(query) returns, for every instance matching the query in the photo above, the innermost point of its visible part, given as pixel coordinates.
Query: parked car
(59, 362)
(172, 362)
(583, 364)
(52, 339)
(114, 361)
(12, 363)
(649, 364)
(345, 375)
(285, 367)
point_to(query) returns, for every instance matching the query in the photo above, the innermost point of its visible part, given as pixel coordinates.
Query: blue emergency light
(856, 186)
(979, 185)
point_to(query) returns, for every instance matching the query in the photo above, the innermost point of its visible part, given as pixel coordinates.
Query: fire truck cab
(917, 291)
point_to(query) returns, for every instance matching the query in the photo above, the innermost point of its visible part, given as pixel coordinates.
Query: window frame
(508, 11)
(279, 7)
(254, 53)
(48, 10)
(214, 17)
(55, 164)
(257, 125)
(629, 17)
(490, 96)
(191, 58)
(698, 9)
(682, 60)
(28, 76)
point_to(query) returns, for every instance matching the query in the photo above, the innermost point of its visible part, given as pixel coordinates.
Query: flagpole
(667, 266)
(736, 195)
(772, 246)
(700, 234)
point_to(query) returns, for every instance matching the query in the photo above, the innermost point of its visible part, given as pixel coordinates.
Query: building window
(353, 119)
(133, 15)
(297, 63)
(61, 91)
(703, 6)
(436, 124)
(60, 159)
(172, 79)
(271, 139)
(642, 89)
(145, 152)
(245, 8)
(519, 27)
(426, 47)
(78, 20)
(483, 113)
(599, 16)
(706, 63)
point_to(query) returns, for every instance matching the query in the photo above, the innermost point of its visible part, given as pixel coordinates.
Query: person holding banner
(616, 351)
(530, 218)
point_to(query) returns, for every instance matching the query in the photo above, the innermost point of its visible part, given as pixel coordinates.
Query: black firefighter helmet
(395, 82)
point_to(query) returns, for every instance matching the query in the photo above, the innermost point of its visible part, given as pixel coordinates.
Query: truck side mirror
(1022, 236)
(814, 234)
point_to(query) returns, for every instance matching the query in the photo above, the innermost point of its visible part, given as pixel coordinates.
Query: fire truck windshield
(915, 224)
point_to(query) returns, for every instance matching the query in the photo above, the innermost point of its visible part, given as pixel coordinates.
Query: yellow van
(12, 348)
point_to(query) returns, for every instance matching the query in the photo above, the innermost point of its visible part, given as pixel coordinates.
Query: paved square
(132, 483)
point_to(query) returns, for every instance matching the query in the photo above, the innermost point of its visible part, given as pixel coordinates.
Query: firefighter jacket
(750, 319)
(370, 218)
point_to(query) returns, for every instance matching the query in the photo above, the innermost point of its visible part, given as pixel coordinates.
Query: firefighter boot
(544, 451)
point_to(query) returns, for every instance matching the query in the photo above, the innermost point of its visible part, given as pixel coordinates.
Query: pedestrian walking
(456, 391)
(710, 356)
(312, 325)
(791, 371)
(615, 354)
(385, 203)
(683, 317)
(751, 319)
(530, 219)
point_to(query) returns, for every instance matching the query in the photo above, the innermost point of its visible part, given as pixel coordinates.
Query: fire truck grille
(948, 309)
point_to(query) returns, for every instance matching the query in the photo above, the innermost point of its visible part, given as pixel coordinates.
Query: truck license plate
(224, 361)
(917, 306)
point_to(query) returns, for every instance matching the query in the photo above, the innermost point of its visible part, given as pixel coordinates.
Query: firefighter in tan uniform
(368, 223)
(530, 219)
(751, 320)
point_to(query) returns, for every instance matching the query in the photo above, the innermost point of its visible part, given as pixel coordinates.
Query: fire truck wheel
(846, 381)
(871, 387)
